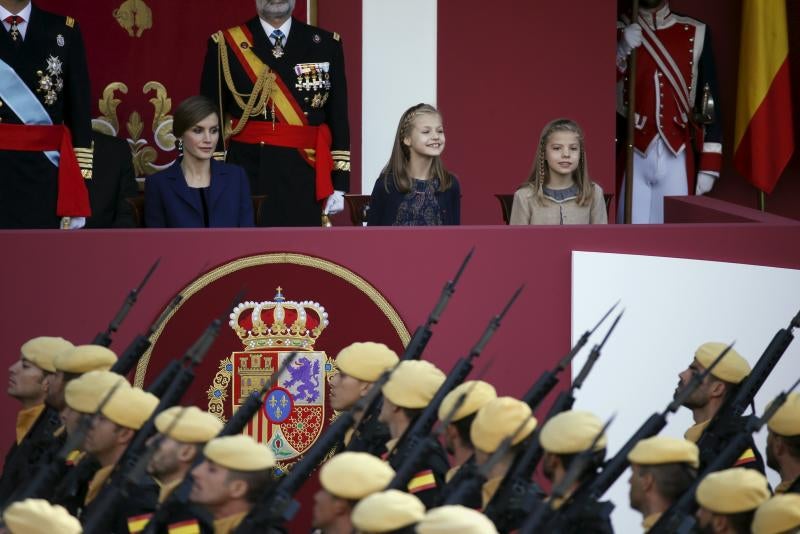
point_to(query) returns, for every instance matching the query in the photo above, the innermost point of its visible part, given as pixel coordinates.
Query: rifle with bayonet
(415, 442)
(416, 346)
(728, 419)
(592, 489)
(510, 504)
(679, 518)
(104, 338)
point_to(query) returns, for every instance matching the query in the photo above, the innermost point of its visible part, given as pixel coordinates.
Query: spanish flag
(764, 136)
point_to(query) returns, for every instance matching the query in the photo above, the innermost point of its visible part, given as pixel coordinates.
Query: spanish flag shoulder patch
(190, 526)
(424, 480)
(747, 457)
(138, 523)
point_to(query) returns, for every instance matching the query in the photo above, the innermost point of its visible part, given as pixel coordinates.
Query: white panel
(399, 70)
(671, 307)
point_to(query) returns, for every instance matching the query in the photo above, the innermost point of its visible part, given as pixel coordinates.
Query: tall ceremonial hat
(732, 367)
(732, 491)
(778, 515)
(188, 424)
(498, 419)
(387, 511)
(239, 453)
(477, 394)
(37, 516)
(572, 432)
(130, 407)
(354, 475)
(42, 351)
(87, 392)
(366, 361)
(455, 519)
(413, 384)
(786, 420)
(85, 358)
(660, 450)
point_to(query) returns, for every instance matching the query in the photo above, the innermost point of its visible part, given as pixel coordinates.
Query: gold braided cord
(257, 100)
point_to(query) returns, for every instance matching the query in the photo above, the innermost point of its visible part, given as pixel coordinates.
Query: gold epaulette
(337, 37)
(85, 158)
(70, 22)
(341, 160)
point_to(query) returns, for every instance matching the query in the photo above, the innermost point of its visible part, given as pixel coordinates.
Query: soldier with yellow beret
(29, 382)
(229, 482)
(182, 434)
(706, 400)
(457, 441)
(563, 437)
(112, 430)
(360, 365)
(783, 444)
(346, 479)
(455, 519)
(499, 419)
(728, 500)
(410, 389)
(388, 512)
(37, 516)
(662, 469)
(72, 363)
(779, 515)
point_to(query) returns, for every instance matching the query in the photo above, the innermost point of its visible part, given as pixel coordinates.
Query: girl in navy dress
(414, 189)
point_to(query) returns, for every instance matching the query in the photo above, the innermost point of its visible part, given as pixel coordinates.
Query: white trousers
(657, 174)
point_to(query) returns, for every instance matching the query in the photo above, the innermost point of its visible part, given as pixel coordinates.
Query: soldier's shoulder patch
(337, 37)
(70, 22)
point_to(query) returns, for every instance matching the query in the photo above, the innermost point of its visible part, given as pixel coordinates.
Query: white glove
(631, 38)
(335, 203)
(705, 181)
(72, 223)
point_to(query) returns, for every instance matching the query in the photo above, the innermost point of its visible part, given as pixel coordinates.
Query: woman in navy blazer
(196, 191)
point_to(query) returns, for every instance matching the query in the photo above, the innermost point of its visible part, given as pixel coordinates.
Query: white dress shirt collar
(25, 14)
(285, 28)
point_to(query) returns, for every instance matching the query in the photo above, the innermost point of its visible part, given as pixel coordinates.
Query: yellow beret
(665, 450)
(37, 516)
(85, 393)
(366, 361)
(41, 351)
(786, 421)
(386, 511)
(354, 475)
(732, 368)
(455, 519)
(732, 491)
(478, 393)
(571, 432)
(779, 514)
(240, 453)
(499, 419)
(130, 407)
(85, 358)
(188, 424)
(413, 384)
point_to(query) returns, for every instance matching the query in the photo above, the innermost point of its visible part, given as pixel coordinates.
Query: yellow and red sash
(313, 142)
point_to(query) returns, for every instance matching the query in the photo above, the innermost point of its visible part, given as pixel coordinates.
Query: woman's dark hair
(190, 112)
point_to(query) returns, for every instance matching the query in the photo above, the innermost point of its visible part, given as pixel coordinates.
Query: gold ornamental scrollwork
(134, 16)
(162, 120)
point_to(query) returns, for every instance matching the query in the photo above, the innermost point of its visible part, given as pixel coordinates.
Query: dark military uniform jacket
(310, 74)
(113, 180)
(370, 437)
(24, 458)
(427, 483)
(176, 511)
(51, 61)
(133, 511)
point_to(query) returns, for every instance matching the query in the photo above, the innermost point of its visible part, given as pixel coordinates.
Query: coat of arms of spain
(293, 411)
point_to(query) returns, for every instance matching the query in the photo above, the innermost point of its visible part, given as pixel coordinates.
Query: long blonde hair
(397, 166)
(540, 171)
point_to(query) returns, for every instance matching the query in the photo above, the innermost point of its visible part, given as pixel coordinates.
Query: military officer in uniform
(678, 136)
(282, 85)
(45, 123)
(728, 500)
(783, 444)
(662, 469)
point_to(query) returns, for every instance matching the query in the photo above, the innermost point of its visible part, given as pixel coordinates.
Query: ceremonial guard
(45, 122)
(455, 519)
(280, 85)
(728, 500)
(783, 444)
(388, 512)
(778, 515)
(37, 516)
(677, 132)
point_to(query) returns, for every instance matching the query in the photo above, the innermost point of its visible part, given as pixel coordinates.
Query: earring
(180, 146)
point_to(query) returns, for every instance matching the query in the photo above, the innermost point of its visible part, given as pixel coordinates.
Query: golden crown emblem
(278, 323)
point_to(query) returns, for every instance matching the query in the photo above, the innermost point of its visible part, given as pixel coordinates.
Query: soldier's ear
(187, 452)
(237, 488)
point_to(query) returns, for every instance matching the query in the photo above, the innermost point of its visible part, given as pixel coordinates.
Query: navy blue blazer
(170, 203)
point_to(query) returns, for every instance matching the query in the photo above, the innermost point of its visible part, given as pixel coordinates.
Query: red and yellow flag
(764, 135)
